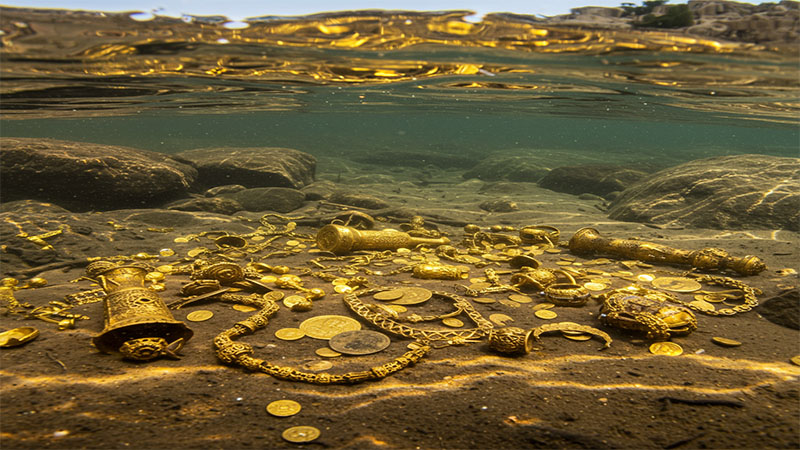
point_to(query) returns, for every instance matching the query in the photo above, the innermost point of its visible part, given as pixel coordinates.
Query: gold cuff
(511, 340)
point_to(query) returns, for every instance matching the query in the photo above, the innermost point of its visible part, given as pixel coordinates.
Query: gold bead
(36, 282)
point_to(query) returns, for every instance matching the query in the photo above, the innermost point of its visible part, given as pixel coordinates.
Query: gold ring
(538, 234)
(511, 340)
(567, 294)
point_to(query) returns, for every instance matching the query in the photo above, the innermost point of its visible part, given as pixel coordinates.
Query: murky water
(344, 84)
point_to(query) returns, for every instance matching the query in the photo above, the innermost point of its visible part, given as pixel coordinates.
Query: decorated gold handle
(588, 240)
(340, 239)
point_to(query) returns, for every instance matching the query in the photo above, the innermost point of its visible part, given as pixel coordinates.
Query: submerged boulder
(252, 166)
(597, 179)
(729, 192)
(509, 168)
(83, 176)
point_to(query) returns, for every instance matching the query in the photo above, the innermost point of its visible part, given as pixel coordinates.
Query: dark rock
(226, 189)
(729, 192)
(506, 187)
(783, 309)
(358, 200)
(83, 176)
(217, 205)
(319, 190)
(278, 199)
(253, 166)
(499, 205)
(510, 168)
(590, 178)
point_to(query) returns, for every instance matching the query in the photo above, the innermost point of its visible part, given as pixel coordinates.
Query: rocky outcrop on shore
(767, 23)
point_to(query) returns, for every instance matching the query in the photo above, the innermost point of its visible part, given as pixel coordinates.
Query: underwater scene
(401, 229)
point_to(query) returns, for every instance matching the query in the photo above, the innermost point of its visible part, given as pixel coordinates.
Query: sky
(240, 9)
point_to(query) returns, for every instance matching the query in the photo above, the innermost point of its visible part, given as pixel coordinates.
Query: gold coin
(326, 327)
(563, 263)
(166, 268)
(154, 276)
(702, 305)
(327, 352)
(452, 322)
(666, 348)
(577, 337)
(645, 277)
(244, 308)
(342, 289)
(509, 303)
(552, 250)
(268, 279)
(199, 316)
(676, 284)
(300, 434)
(180, 240)
(413, 296)
(592, 286)
(292, 243)
(166, 252)
(385, 296)
(480, 285)
(713, 298)
(283, 408)
(545, 314)
(725, 342)
(500, 319)
(403, 251)
(317, 366)
(520, 298)
(158, 287)
(339, 281)
(293, 300)
(485, 300)
(196, 251)
(289, 334)
(359, 342)
(543, 306)
(795, 360)
(396, 308)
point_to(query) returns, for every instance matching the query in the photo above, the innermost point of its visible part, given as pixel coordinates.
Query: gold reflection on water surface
(111, 62)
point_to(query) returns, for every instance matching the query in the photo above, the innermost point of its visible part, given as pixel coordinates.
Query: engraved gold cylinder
(341, 239)
(439, 272)
(511, 340)
(588, 240)
(132, 311)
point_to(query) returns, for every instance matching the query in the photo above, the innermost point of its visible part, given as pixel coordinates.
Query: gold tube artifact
(137, 322)
(588, 240)
(340, 239)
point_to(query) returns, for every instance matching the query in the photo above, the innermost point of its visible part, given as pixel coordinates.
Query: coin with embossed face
(676, 284)
(300, 434)
(666, 348)
(413, 296)
(326, 327)
(359, 342)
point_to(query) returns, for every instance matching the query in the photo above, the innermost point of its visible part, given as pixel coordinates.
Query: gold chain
(239, 353)
(447, 337)
(750, 299)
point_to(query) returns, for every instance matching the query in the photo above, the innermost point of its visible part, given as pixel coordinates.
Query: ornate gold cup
(588, 240)
(340, 239)
(137, 322)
